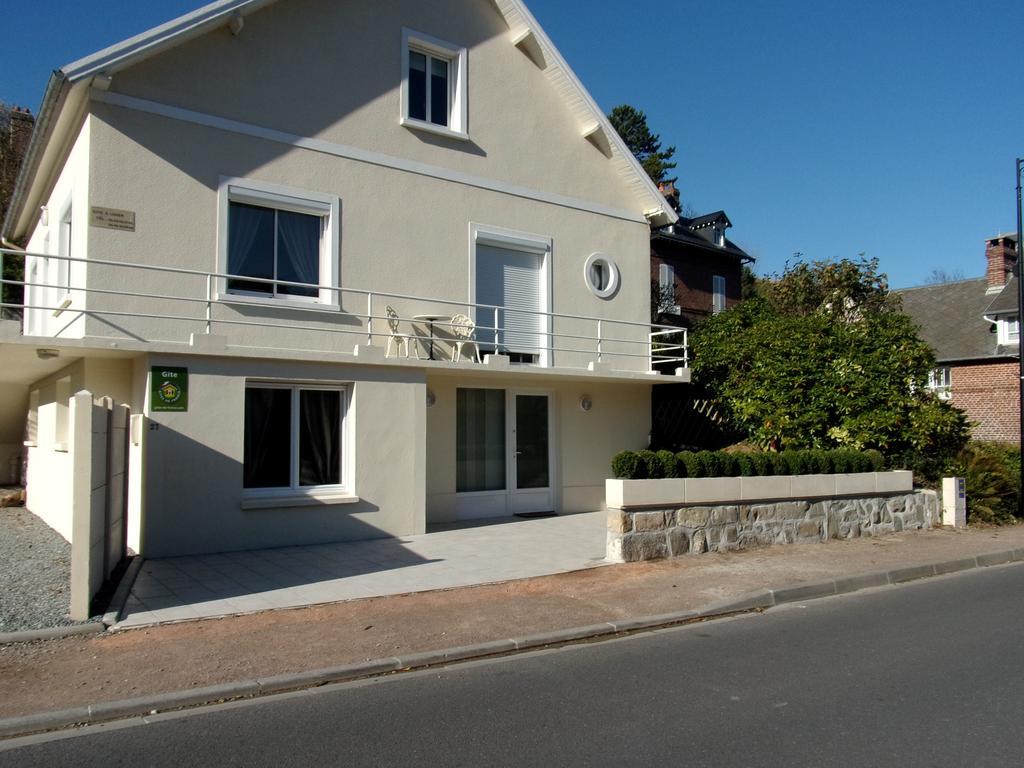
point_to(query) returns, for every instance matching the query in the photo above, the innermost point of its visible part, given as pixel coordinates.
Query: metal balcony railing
(150, 303)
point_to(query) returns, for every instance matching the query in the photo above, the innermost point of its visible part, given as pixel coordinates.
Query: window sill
(30, 444)
(440, 130)
(297, 499)
(312, 306)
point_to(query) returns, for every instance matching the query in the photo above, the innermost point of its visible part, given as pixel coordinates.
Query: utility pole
(1020, 321)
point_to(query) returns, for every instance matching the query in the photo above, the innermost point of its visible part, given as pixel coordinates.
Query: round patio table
(430, 320)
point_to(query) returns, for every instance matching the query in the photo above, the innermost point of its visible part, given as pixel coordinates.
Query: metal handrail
(597, 343)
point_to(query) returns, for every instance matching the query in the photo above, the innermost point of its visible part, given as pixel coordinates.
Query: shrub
(992, 475)
(875, 460)
(709, 463)
(844, 461)
(744, 465)
(624, 464)
(648, 464)
(762, 464)
(779, 464)
(692, 465)
(668, 464)
(645, 464)
(821, 461)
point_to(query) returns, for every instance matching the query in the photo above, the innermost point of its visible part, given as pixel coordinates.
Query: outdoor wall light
(47, 354)
(431, 399)
(586, 403)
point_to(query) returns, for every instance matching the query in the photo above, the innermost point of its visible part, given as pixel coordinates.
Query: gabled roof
(1006, 302)
(66, 91)
(951, 320)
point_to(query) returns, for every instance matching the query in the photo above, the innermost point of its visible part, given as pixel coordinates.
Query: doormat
(532, 515)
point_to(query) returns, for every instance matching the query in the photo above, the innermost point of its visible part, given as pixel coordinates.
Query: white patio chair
(462, 329)
(401, 342)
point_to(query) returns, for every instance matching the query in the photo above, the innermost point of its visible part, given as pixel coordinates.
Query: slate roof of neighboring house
(1006, 302)
(951, 319)
(708, 218)
(682, 233)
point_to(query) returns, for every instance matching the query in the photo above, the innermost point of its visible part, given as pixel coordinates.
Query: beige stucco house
(217, 216)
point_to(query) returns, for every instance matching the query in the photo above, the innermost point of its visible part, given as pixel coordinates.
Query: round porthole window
(601, 274)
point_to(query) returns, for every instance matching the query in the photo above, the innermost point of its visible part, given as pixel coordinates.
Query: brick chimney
(1001, 255)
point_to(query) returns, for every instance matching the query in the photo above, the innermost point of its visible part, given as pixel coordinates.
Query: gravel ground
(35, 570)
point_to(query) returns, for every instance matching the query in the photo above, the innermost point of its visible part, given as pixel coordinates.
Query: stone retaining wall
(650, 534)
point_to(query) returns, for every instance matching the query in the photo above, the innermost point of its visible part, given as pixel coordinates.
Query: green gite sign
(168, 389)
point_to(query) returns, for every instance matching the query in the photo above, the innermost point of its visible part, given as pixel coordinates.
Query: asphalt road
(926, 674)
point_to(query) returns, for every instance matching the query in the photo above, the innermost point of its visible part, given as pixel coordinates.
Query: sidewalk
(77, 671)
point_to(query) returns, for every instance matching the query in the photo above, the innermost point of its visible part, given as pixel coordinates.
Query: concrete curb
(52, 633)
(753, 601)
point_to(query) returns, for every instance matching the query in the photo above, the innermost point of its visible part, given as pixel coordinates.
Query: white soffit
(594, 125)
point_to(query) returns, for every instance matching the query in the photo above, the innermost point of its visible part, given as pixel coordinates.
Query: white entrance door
(504, 460)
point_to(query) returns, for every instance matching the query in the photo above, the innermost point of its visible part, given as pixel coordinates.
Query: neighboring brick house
(696, 270)
(973, 328)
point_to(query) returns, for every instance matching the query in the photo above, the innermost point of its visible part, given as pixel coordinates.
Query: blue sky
(828, 128)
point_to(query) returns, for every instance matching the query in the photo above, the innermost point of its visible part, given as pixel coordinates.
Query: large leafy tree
(631, 125)
(822, 356)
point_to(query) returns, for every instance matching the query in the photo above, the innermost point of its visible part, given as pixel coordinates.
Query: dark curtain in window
(267, 462)
(417, 86)
(298, 252)
(319, 437)
(250, 246)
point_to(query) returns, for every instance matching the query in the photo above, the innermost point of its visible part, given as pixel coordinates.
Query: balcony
(132, 306)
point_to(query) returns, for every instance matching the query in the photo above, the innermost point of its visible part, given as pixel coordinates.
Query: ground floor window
(294, 436)
(480, 440)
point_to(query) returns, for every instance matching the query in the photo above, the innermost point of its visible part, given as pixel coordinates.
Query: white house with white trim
(218, 214)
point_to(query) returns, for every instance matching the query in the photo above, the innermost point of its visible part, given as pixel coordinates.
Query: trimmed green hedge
(650, 465)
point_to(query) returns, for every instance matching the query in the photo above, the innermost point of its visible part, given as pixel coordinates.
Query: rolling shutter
(511, 280)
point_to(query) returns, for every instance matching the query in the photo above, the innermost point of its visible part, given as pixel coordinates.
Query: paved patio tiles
(181, 588)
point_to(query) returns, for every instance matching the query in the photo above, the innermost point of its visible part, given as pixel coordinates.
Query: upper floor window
(278, 243)
(1009, 330)
(940, 381)
(433, 85)
(718, 300)
(667, 289)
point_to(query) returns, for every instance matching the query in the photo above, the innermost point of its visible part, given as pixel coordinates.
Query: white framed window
(277, 244)
(295, 439)
(667, 289)
(66, 252)
(940, 381)
(601, 275)
(719, 237)
(718, 294)
(1008, 330)
(433, 85)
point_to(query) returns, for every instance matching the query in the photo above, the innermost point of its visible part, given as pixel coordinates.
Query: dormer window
(719, 237)
(1008, 329)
